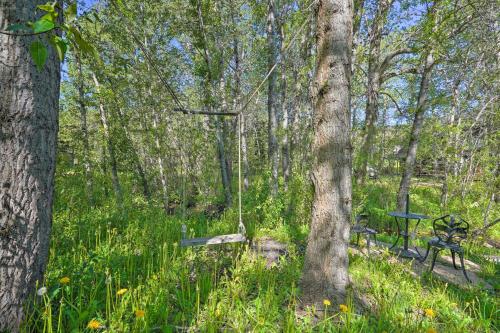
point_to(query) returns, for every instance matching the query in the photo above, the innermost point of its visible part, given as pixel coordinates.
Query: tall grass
(126, 272)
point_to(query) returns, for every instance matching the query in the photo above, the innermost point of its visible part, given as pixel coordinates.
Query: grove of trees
(332, 94)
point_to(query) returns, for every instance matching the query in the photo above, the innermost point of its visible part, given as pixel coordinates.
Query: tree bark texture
(29, 104)
(325, 272)
(221, 154)
(237, 105)
(272, 125)
(418, 123)
(159, 158)
(89, 181)
(447, 165)
(285, 145)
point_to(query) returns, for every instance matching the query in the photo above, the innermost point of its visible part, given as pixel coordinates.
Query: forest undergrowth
(124, 271)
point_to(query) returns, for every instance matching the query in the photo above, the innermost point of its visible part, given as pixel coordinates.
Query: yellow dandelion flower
(93, 324)
(343, 308)
(431, 330)
(139, 313)
(121, 291)
(326, 302)
(429, 313)
(64, 280)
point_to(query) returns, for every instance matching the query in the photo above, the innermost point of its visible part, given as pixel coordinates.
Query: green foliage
(38, 52)
(102, 251)
(43, 25)
(47, 25)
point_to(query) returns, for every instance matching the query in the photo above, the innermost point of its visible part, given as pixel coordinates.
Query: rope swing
(229, 238)
(241, 235)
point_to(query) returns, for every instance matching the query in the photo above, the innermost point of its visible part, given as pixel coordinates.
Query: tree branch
(393, 100)
(480, 231)
(408, 70)
(388, 58)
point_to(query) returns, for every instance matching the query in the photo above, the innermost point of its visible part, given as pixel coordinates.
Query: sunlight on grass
(124, 272)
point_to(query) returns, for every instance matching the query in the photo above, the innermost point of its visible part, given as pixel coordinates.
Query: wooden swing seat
(221, 239)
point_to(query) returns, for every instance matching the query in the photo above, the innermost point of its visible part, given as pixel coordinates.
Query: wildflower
(343, 308)
(326, 302)
(64, 280)
(429, 313)
(431, 330)
(93, 324)
(42, 291)
(218, 311)
(139, 313)
(121, 291)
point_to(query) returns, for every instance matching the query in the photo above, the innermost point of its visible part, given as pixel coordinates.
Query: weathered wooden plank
(221, 239)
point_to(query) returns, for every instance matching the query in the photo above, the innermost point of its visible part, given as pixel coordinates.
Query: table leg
(405, 236)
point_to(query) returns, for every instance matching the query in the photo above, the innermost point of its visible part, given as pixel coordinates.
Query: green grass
(102, 250)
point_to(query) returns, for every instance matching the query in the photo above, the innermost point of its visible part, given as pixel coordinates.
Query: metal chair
(362, 226)
(449, 232)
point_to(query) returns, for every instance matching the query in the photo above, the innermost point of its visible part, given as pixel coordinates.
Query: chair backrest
(362, 220)
(450, 229)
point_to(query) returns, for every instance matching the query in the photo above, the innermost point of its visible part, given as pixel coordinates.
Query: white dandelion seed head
(42, 291)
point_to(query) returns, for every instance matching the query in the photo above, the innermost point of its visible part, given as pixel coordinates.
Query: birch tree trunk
(161, 166)
(418, 123)
(110, 147)
(325, 272)
(237, 105)
(373, 86)
(209, 83)
(221, 153)
(221, 147)
(285, 146)
(29, 104)
(135, 156)
(447, 165)
(272, 124)
(89, 181)
(244, 152)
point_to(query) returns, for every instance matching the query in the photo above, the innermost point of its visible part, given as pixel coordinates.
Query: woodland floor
(273, 250)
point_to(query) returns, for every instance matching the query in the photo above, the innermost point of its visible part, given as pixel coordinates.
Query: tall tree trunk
(359, 8)
(244, 152)
(272, 124)
(229, 126)
(209, 83)
(221, 147)
(135, 156)
(221, 153)
(237, 105)
(325, 272)
(29, 106)
(295, 109)
(161, 166)
(110, 147)
(89, 182)
(285, 146)
(418, 123)
(381, 161)
(451, 124)
(373, 86)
